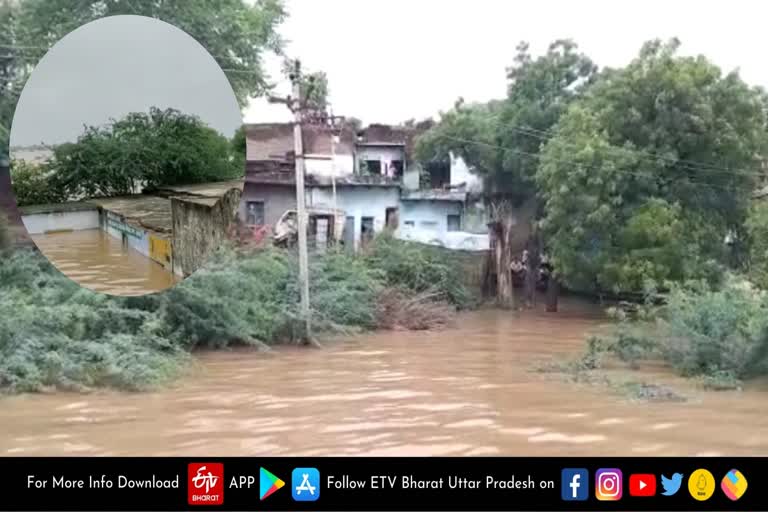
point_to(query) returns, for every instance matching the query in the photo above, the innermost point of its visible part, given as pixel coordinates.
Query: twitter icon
(671, 485)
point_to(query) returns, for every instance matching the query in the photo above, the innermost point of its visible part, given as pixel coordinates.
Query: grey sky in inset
(115, 66)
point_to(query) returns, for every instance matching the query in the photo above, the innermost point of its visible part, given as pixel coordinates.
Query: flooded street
(466, 391)
(99, 262)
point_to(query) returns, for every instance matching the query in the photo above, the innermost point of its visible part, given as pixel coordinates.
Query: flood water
(465, 391)
(98, 261)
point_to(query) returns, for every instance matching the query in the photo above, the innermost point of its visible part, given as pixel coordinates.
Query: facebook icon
(574, 485)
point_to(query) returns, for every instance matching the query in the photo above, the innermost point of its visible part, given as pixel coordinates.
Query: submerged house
(377, 185)
(176, 227)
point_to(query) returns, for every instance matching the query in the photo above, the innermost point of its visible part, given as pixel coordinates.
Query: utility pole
(295, 104)
(301, 207)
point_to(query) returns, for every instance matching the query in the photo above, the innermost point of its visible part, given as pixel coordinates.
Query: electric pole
(295, 104)
(301, 207)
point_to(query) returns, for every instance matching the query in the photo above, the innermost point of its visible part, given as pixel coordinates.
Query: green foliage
(32, 184)
(539, 92)
(757, 228)
(624, 204)
(5, 235)
(418, 268)
(163, 147)
(718, 335)
(467, 131)
(238, 146)
(53, 333)
(237, 33)
(501, 139)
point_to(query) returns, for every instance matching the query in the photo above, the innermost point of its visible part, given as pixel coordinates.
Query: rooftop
(434, 195)
(274, 141)
(275, 176)
(149, 212)
(209, 190)
(76, 206)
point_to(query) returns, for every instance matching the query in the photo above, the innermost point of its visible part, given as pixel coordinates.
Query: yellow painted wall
(160, 250)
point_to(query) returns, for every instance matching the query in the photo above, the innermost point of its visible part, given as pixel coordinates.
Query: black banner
(378, 484)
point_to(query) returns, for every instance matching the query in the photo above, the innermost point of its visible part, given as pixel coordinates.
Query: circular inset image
(123, 162)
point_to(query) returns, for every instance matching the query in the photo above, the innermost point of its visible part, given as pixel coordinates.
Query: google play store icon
(268, 484)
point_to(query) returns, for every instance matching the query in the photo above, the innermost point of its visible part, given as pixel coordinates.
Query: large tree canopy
(651, 171)
(142, 150)
(236, 32)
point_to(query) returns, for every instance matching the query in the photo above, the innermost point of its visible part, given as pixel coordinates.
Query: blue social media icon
(305, 484)
(671, 485)
(574, 485)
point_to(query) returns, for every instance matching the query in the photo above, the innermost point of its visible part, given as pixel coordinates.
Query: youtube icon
(642, 485)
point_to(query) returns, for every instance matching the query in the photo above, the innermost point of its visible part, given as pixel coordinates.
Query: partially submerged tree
(163, 147)
(500, 140)
(651, 171)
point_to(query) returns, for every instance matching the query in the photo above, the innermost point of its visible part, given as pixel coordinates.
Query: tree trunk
(553, 289)
(504, 288)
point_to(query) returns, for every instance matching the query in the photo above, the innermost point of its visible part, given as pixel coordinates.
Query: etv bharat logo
(205, 483)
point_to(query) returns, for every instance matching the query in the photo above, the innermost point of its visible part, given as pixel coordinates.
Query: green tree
(538, 93)
(163, 147)
(500, 140)
(650, 171)
(757, 228)
(32, 184)
(239, 146)
(236, 32)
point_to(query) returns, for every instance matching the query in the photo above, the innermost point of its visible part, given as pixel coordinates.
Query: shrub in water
(418, 268)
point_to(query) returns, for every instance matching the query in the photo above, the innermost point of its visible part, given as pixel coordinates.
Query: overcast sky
(114, 66)
(394, 60)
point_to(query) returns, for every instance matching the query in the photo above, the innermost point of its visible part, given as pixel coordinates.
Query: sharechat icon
(734, 484)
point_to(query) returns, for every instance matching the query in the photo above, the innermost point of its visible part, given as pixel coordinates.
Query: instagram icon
(608, 484)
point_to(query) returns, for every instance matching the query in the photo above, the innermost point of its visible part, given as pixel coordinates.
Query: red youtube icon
(642, 485)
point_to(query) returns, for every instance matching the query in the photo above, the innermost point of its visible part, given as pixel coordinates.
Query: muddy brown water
(465, 391)
(98, 261)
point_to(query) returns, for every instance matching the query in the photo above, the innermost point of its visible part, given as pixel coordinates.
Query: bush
(32, 184)
(718, 335)
(5, 234)
(53, 333)
(418, 268)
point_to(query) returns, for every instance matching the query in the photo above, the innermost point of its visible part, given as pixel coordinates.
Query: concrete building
(378, 185)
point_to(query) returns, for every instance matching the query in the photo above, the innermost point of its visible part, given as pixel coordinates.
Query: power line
(693, 165)
(589, 167)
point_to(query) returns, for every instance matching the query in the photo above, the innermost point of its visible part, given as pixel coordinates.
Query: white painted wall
(431, 216)
(322, 165)
(412, 177)
(430, 226)
(384, 154)
(460, 173)
(358, 202)
(40, 223)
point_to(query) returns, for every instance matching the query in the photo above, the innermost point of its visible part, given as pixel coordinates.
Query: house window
(454, 223)
(366, 229)
(396, 169)
(428, 224)
(254, 213)
(409, 223)
(391, 218)
(373, 166)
